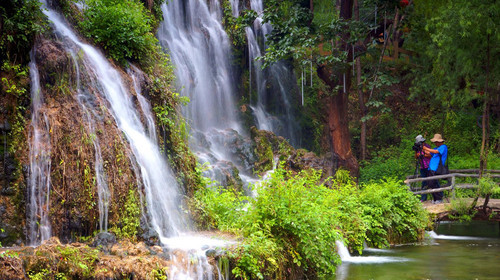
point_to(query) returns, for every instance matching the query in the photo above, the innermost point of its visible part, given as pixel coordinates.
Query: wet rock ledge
(53, 260)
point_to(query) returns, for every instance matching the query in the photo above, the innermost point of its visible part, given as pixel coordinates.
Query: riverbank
(53, 260)
(441, 211)
(121, 260)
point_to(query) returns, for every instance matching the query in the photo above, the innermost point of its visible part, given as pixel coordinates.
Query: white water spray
(136, 75)
(38, 226)
(346, 257)
(86, 100)
(434, 235)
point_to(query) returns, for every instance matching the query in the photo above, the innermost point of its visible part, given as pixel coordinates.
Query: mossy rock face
(268, 147)
(10, 223)
(264, 152)
(53, 260)
(55, 66)
(73, 135)
(302, 159)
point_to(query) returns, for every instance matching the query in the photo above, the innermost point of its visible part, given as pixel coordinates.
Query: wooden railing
(451, 185)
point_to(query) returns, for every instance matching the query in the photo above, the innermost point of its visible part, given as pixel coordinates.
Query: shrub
(392, 213)
(21, 21)
(122, 27)
(295, 219)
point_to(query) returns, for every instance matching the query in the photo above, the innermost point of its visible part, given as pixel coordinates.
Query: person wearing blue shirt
(438, 153)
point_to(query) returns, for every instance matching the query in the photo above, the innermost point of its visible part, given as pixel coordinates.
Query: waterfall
(163, 197)
(38, 224)
(279, 75)
(434, 235)
(162, 194)
(200, 50)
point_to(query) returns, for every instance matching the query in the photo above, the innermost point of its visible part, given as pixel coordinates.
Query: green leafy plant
(393, 214)
(129, 220)
(21, 21)
(460, 210)
(122, 27)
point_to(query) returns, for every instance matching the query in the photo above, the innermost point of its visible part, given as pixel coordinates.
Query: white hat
(419, 139)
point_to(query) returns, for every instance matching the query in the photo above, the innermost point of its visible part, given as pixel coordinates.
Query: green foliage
(295, 219)
(159, 274)
(21, 21)
(65, 262)
(129, 219)
(487, 187)
(41, 275)
(10, 87)
(457, 42)
(122, 27)
(392, 213)
(235, 27)
(392, 162)
(82, 262)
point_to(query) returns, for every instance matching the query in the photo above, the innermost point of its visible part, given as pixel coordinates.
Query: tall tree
(460, 55)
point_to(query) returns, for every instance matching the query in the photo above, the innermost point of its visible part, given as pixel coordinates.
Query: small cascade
(434, 235)
(200, 50)
(87, 105)
(281, 121)
(346, 257)
(187, 248)
(38, 223)
(137, 76)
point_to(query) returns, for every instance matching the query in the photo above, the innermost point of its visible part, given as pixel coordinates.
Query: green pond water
(454, 251)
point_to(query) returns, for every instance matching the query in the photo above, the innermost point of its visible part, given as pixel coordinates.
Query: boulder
(104, 239)
(53, 62)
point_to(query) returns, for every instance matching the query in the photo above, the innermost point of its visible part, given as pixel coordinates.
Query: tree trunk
(486, 116)
(337, 105)
(361, 97)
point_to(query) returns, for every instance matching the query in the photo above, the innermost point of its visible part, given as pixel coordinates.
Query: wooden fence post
(453, 187)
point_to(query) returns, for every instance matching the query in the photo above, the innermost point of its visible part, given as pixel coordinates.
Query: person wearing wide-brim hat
(438, 153)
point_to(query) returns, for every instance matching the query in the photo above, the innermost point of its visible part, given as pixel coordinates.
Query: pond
(454, 251)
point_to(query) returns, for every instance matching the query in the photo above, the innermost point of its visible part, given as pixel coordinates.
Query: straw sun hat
(437, 138)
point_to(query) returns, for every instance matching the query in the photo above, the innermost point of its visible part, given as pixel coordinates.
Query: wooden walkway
(442, 210)
(413, 182)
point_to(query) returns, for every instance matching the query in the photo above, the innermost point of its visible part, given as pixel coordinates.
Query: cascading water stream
(278, 74)
(199, 48)
(162, 193)
(38, 226)
(86, 101)
(136, 76)
(346, 257)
